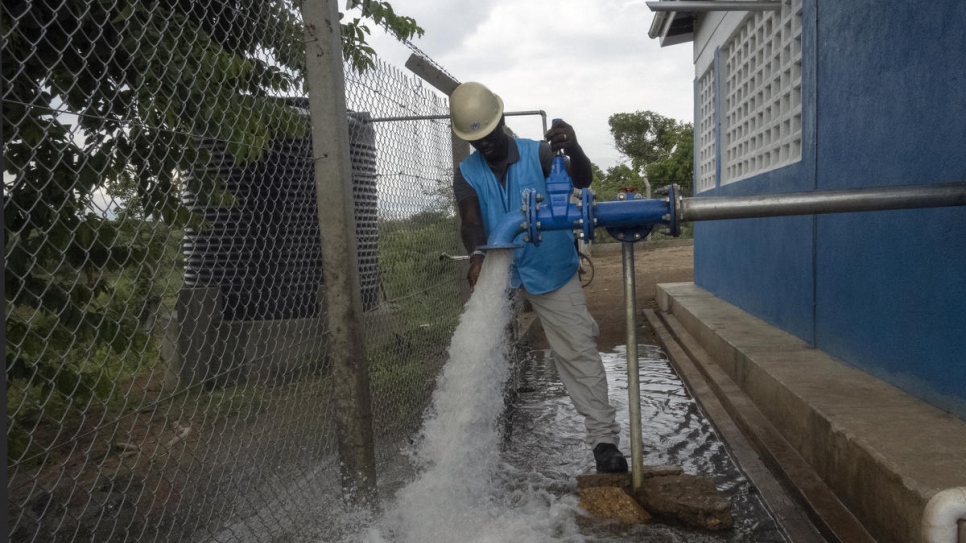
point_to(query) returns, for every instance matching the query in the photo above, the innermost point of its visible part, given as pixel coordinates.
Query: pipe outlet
(940, 518)
(504, 235)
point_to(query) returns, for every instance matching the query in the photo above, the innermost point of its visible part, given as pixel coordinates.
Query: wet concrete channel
(544, 435)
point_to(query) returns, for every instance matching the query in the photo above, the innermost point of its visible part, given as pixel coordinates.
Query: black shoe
(609, 459)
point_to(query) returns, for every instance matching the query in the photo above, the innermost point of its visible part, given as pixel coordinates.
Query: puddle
(545, 437)
(485, 473)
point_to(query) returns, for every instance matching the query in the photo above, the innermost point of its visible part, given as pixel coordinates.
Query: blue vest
(540, 269)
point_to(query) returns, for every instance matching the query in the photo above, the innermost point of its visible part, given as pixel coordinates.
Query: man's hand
(561, 136)
(471, 230)
(476, 266)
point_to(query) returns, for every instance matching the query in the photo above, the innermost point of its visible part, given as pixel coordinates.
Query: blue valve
(628, 219)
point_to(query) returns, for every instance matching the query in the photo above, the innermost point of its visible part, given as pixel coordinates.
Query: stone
(612, 503)
(595, 480)
(690, 499)
(623, 480)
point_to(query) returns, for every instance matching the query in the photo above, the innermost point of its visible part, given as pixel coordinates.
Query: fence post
(343, 298)
(444, 83)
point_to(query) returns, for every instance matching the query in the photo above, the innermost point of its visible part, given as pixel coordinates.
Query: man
(488, 184)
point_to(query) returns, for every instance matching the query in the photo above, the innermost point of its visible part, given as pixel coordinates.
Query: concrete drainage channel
(825, 513)
(706, 506)
(849, 447)
(692, 488)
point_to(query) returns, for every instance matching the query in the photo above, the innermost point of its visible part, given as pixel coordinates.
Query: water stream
(546, 436)
(489, 474)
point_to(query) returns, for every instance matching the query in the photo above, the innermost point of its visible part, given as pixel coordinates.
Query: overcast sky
(579, 60)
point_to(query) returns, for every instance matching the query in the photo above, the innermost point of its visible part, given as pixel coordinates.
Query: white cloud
(579, 60)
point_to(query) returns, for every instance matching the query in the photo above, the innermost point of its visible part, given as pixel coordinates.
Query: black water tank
(263, 250)
(362, 150)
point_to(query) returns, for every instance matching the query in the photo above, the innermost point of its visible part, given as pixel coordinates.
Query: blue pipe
(504, 235)
(631, 218)
(627, 219)
(631, 213)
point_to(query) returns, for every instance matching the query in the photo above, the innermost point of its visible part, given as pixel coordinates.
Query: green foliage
(657, 146)
(426, 297)
(113, 98)
(660, 149)
(618, 177)
(66, 357)
(409, 259)
(678, 166)
(643, 136)
(402, 384)
(354, 32)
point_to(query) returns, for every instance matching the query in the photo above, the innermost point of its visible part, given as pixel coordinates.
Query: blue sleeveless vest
(539, 269)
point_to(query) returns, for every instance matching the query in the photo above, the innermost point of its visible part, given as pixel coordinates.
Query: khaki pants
(572, 334)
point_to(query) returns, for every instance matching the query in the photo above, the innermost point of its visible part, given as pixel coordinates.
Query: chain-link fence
(167, 375)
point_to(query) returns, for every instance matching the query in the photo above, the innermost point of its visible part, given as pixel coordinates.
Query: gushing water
(469, 490)
(457, 495)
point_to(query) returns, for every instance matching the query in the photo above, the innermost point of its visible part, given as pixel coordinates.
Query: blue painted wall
(764, 266)
(884, 103)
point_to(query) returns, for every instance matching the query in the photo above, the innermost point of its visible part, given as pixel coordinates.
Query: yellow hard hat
(474, 111)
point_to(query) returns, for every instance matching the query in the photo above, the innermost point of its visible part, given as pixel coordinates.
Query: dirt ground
(663, 262)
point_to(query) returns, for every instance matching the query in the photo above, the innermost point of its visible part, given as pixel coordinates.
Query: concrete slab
(788, 486)
(883, 452)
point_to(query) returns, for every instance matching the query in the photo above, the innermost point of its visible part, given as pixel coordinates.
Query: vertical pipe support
(633, 367)
(343, 296)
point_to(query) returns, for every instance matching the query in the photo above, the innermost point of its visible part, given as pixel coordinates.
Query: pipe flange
(588, 207)
(633, 233)
(531, 199)
(674, 226)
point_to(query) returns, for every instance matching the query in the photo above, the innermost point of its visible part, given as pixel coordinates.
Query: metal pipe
(540, 112)
(633, 367)
(672, 211)
(409, 118)
(694, 6)
(808, 203)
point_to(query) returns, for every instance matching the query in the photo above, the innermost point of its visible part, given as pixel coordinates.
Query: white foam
(462, 492)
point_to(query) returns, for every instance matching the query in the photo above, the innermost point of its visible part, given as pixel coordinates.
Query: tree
(116, 96)
(659, 147)
(616, 178)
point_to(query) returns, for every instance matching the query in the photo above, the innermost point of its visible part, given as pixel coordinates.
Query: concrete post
(343, 299)
(431, 74)
(445, 84)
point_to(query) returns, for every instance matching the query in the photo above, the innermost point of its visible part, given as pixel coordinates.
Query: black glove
(561, 136)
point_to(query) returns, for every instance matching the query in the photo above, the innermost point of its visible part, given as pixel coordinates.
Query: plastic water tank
(263, 249)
